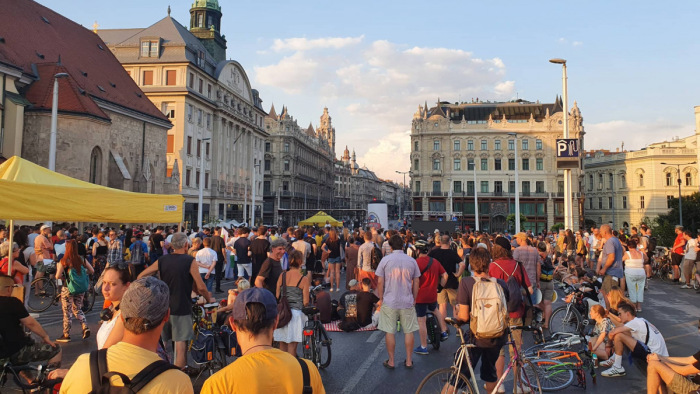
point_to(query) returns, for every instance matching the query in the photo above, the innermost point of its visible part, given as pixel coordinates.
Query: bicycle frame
(513, 363)
(463, 354)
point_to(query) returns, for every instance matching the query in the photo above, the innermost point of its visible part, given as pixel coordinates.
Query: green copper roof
(211, 4)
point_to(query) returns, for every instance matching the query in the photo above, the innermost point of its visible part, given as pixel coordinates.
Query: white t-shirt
(592, 242)
(206, 257)
(690, 252)
(105, 330)
(639, 332)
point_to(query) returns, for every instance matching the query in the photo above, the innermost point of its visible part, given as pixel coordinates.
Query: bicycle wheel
(553, 375)
(88, 300)
(323, 347)
(42, 294)
(445, 381)
(527, 378)
(431, 324)
(565, 319)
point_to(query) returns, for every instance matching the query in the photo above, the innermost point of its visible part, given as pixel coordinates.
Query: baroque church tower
(205, 24)
(327, 130)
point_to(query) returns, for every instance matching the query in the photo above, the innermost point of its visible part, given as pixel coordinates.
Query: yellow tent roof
(320, 219)
(31, 192)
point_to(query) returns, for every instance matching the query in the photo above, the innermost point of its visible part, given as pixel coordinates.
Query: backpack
(306, 377)
(488, 313)
(230, 342)
(376, 257)
(651, 248)
(78, 283)
(203, 347)
(515, 297)
(137, 257)
(101, 376)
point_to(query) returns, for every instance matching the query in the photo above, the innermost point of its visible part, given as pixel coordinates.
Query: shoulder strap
(98, 367)
(646, 341)
(149, 373)
(427, 267)
(307, 389)
(501, 268)
(300, 279)
(284, 285)
(522, 274)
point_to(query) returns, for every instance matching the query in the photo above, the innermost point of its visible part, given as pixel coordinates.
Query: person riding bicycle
(15, 345)
(432, 274)
(261, 368)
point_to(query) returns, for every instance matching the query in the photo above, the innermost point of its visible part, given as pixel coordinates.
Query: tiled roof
(36, 38)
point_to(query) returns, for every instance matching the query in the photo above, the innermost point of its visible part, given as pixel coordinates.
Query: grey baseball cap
(147, 298)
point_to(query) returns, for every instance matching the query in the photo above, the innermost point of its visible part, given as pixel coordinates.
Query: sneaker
(444, 336)
(686, 287)
(607, 363)
(421, 350)
(86, 333)
(500, 390)
(525, 389)
(63, 338)
(614, 372)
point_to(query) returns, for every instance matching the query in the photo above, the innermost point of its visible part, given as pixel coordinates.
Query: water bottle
(398, 325)
(595, 360)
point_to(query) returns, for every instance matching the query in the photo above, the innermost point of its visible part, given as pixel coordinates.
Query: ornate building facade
(217, 116)
(458, 149)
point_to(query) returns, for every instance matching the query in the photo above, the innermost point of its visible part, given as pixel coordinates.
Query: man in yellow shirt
(261, 368)
(144, 311)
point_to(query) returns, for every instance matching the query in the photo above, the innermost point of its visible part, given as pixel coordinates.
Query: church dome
(211, 4)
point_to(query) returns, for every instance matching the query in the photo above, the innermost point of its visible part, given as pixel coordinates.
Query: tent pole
(12, 250)
(179, 227)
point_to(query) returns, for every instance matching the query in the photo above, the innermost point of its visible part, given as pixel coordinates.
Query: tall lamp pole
(54, 122)
(476, 201)
(680, 199)
(403, 192)
(256, 166)
(568, 209)
(202, 151)
(517, 191)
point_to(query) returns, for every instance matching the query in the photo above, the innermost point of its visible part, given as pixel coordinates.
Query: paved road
(356, 365)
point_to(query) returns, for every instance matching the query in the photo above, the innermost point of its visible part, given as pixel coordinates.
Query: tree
(663, 227)
(557, 227)
(511, 221)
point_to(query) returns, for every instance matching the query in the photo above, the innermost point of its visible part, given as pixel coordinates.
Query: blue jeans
(209, 282)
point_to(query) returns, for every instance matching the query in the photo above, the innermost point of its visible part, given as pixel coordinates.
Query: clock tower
(205, 24)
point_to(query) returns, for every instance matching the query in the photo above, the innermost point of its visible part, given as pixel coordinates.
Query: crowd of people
(392, 280)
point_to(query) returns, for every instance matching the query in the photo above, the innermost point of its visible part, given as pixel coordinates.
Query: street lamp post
(568, 209)
(476, 202)
(201, 183)
(517, 192)
(509, 195)
(680, 198)
(54, 122)
(256, 166)
(403, 191)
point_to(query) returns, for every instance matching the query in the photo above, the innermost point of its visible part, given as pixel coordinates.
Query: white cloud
(635, 135)
(304, 44)
(577, 43)
(564, 41)
(290, 74)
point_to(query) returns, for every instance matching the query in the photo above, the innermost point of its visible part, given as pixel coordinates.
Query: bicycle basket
(228, 338)
(203, 347)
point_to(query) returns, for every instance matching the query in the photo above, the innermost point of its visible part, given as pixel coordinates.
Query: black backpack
(376, 257)
(515, 296)
(101, 376)
(651, 247)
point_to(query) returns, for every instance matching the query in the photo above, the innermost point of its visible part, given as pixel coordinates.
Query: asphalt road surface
(357, 357)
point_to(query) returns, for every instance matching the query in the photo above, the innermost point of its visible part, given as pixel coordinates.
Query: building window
(209, 91)
(600, 181)
(200, 62)
(188, 175)
(511, 187)
(498, 187)
(611, 181)
(286, 165)
(497, 145)
(470, 165)
(610, 202)
(525, 144)
(641, 179)
(470, 188)
(539, 164)
(199, 117)
(560, 188)
(457, 187)
(538, 144)
(436, 145)
(669, 181)
(437, 186)
(267, 146)
(590, 203)
(484, 186)
(511, 144)
(526, 188)
(199, 148)
(624, 202)
(590, 182)
(470, 145)
(170, 144)
(415, 146)
(484, 164)
(201, 85)
(285, 186)
(436, 164)
(688, 179)
(206, 180)
(458, 165)
(286, 147)
(600, 202)
(526, 164)
(191, 81)
(189, 112)
(267, 165)
(206, 150)
(484, 145)
(641, 202)
(96, 166)
(147, 78)
(189, 145)
(511, 164)
(208, 121)
(623, 181)
(417, 183)
(539, 187)
(415, 164)
(457, 145)
(497, 164)
(149, 48)
(171, 77)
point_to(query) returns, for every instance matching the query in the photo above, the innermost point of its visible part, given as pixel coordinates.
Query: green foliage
(663, 227)
(589, 223)
(510, 219)
(557, 227)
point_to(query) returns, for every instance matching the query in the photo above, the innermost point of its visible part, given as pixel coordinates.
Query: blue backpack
(203, 347)
(78, 283)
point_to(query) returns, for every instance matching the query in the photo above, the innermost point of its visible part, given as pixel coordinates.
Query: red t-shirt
(508, 265)
(427, 293)
(678, 244)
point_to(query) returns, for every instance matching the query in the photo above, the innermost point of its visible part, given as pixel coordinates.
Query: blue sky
(632, 65)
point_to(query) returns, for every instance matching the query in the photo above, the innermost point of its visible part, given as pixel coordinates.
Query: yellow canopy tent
(320, 219)
(31, 192)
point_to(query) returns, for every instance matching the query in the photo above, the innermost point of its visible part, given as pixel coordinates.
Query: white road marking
(369, 362)
(375, 335)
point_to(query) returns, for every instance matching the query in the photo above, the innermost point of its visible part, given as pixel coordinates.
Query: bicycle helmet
(422, 246)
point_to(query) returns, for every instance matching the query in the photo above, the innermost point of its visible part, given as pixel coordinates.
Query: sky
(632, 65)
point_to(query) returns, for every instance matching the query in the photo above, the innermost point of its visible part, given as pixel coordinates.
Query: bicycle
(433, 327)
(315, 338)
(43, 292)
(570, 317)
(19, 374)
(558, 340)
(451, 380)
(205, 326)
(661, 265)
(556, 368)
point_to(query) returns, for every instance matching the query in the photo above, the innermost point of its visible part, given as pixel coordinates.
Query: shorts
(334, 260)
(687, 267)
(423, 308)
(681, 384)
(34, 353)
(389, 316)
(547, 288)
(40, 266)
(488, 356)
(676, 259)
(517, 334)
(640, 351)
(608, 283)
(178, 329)
(447, 296)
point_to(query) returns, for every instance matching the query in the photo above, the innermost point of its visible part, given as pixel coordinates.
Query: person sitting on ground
(666, 374)
(241, 284)
(600, 343)
(323, 300)
(366, 300)
(14, 319)
(347, 309)
(144, 311)
(261, 368)
(637, 335)
(616, 297)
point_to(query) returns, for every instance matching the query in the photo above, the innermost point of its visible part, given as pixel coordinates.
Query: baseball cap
(352, 283)
(278, 242)
(436, 231)
(147, 298)
(44, 227)
(503, 242)
(253, 295)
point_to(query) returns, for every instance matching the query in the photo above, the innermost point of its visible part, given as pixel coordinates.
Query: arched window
(688, 179)
(669, 181)
(641, 179)
(96, 166)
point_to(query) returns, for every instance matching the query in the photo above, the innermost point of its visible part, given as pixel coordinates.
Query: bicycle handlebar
(525, 328)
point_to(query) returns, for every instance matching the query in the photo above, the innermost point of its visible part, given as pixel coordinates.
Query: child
(600, 344)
